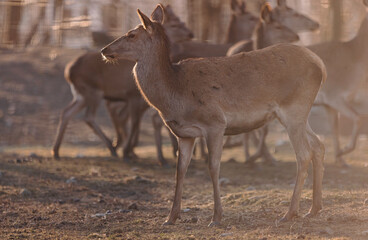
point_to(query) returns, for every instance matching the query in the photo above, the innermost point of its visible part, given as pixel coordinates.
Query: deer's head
(270, 32)
(175, 29)
(292, 19)
(242, 22)
(136, 43)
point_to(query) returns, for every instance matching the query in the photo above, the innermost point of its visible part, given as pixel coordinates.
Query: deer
(264, 35)
(213, 97)
(293, 19)
(91, 80)
(240, 27)
(345, 63)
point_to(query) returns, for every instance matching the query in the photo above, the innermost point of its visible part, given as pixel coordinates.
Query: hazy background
(38, 37)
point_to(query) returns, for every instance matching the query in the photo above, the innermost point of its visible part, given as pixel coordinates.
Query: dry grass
(252, 201)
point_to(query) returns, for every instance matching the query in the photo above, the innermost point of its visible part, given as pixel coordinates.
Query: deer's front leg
(214, 144)
(185, 155)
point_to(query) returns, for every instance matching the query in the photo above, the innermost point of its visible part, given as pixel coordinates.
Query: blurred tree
(211, 15)
(12, 11)
(35, 26)
(337, 22)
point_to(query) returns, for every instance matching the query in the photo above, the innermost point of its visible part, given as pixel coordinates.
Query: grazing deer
(212, 97)
(91, 79)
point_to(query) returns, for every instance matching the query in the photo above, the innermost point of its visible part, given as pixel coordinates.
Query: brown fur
(345, 63)
(228, 95)
(91, 80)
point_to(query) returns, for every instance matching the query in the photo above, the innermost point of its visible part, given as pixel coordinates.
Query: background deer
(345, 63)
(292, 19)
(227, 95)
(91, 79)
(241, 27)
(270, 30)
(346, 66)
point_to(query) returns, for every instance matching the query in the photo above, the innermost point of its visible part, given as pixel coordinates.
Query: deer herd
(203, 90)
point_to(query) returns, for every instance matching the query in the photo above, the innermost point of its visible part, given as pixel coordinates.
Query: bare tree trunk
(193, 17)
(35, 26)
(12, 23)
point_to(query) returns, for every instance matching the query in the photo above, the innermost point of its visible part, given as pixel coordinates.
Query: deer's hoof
(165, 165)
(127, 159)
(270, 162)
(55, 155)
(168, 223)
(214, 224)
(312, 213)
(341, 163)
(288, 217)
(114, 154)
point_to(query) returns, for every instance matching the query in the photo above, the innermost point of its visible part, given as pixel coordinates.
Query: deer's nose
(104, 50)
(107, 54)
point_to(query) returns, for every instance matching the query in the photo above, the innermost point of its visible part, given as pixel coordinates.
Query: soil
(89, 195)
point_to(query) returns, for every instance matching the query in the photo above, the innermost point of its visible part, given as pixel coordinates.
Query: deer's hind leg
(73, 108)
(90, 121)
(345, 109)
(318, 169)
(119, 117)
(334, 125)
(295, 124)
(260, 143)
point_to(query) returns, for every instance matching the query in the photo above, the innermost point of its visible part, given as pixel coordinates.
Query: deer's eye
(132, 35)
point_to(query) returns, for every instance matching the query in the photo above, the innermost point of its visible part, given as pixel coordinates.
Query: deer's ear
(158, 14)
(146, 22)
(266, 13)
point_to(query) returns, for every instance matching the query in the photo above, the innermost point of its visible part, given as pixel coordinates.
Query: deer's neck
(360, 42)
(231, 32)
(155, 77)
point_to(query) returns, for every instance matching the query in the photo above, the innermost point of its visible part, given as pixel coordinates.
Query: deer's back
(192, 49)
(345, 66)
(89, 73)
(274, 74)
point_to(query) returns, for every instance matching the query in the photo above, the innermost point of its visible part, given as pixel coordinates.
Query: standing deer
(91, 79)
(346, 66)
(345, 63)
(292, 19)
(241, 26)
(212, 97)
(268, 32)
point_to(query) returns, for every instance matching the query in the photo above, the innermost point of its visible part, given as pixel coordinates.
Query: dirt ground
(89, 195)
